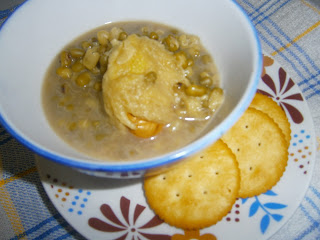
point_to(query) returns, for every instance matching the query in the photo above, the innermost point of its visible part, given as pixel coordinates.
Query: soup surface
(131, 90)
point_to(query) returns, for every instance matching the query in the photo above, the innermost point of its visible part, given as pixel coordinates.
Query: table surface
(289, 31)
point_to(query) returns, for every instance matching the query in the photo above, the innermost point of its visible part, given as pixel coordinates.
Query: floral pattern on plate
(128, 228)
(100, 208)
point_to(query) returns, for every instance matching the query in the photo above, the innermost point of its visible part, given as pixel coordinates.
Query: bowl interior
(39, 29)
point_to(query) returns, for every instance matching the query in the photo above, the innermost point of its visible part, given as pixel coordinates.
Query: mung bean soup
(131, 90)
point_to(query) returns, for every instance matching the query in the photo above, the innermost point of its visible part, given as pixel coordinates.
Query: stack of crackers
(247, 161)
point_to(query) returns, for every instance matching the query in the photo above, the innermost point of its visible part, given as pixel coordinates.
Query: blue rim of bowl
(160, 160)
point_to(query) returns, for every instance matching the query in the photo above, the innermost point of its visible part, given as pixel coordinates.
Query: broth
(78, 103)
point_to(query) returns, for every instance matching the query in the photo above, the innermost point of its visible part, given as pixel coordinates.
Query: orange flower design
(267, 61)
(191, 235)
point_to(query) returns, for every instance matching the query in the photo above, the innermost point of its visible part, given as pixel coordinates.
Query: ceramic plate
(117, 209)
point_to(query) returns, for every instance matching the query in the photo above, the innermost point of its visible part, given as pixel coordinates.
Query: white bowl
(39, 29)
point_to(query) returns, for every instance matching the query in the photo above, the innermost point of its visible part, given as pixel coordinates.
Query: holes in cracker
(164, 177)
(246, 126)
(217, 172)
(250, 168)
(177, 195)
(188, 174)
(238, 149)
(205, 192)
(259, 144)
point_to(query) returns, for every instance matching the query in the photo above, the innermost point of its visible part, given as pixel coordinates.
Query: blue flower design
(266, 208)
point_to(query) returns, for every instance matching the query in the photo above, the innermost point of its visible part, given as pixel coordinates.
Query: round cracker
(270, 107)
(261, 151)
(198, 192)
